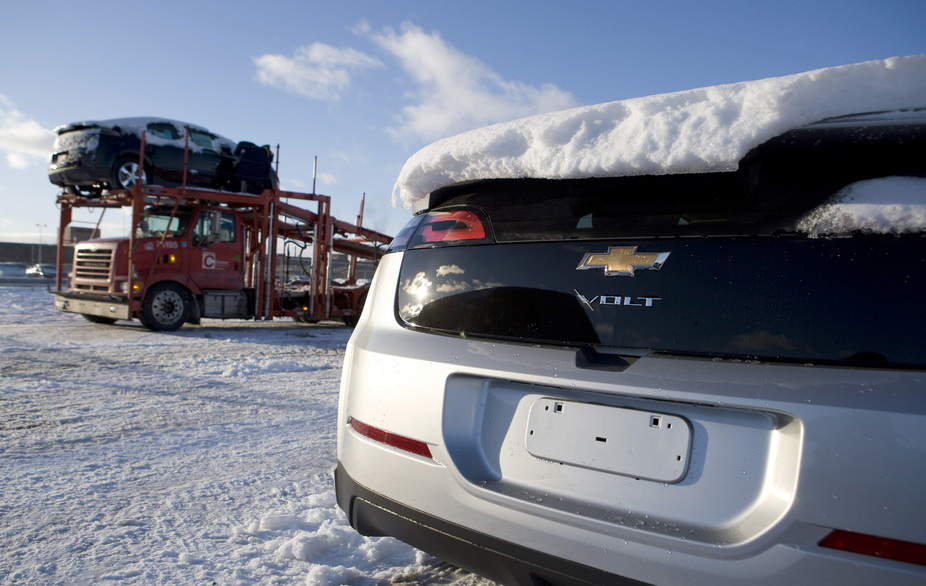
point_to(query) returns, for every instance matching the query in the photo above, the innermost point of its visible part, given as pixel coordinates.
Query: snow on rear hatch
(889, 205)
(701, 130)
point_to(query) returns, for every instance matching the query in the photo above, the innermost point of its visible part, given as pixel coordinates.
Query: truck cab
(187, 262)
(199, 247)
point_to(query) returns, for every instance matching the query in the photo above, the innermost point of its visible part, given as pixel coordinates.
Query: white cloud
(23, 139)
(318, 71)
(457, 92)
(17, 160)
(329, 179)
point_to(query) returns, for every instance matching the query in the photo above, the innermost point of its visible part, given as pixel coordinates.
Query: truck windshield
(160, 221)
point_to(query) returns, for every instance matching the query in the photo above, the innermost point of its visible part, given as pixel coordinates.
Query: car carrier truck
(195, 253)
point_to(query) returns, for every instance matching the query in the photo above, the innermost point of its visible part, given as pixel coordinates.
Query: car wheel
(166, 307)
(125, 173)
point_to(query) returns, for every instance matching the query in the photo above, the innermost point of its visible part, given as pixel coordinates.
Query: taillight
(390, 439)
(447, 227)
(891, 549)
(451, 226)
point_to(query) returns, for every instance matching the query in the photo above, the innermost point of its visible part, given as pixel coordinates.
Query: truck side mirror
(216, 227)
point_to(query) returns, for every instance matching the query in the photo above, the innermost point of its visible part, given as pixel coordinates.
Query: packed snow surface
(201, 456)
(701, 130)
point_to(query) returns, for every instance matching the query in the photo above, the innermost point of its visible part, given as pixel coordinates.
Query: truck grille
(93, 265)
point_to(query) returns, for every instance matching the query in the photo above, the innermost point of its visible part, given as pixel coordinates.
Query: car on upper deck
(91, 156)
(672, 340)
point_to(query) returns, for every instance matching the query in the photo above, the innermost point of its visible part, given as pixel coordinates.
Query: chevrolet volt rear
(683, 379)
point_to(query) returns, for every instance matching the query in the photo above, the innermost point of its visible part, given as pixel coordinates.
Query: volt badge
(622, 261)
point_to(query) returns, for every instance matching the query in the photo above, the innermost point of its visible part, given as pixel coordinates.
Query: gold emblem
(622, 261)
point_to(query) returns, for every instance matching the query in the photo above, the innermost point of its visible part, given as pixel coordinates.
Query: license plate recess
(641, 444)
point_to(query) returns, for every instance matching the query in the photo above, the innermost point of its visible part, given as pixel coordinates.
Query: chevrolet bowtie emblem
(622, 261)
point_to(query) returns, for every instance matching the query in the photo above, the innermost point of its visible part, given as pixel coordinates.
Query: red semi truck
(194, 253)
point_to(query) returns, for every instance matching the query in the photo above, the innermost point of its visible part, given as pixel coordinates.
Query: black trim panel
(372, 514)
(810, 300)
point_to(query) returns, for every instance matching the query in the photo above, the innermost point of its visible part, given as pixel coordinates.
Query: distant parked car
(91, 156)
(41, 270)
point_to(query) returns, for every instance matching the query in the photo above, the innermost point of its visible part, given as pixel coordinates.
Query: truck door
(217, 258)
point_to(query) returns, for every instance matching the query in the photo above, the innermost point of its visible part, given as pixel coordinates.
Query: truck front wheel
(166, 307)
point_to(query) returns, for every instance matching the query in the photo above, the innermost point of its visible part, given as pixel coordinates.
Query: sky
(361, 86)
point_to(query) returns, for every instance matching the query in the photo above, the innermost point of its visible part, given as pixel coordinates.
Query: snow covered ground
(202, 456)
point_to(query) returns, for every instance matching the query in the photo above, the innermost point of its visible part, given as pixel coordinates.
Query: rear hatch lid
(780, 260)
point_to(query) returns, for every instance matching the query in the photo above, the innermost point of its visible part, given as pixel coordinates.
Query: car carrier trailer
(195, 253)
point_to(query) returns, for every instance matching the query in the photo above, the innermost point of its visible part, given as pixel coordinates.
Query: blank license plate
(641, 444)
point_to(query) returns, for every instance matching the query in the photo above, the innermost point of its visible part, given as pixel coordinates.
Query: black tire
(166, 307)
(125, 173)
(99, 319)
(352, 320)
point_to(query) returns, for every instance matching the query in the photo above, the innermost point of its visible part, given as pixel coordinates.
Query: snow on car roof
(134, 125)
(138, 124)
(695, 131)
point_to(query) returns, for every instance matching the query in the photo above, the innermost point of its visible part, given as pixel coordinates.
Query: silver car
(696, 378)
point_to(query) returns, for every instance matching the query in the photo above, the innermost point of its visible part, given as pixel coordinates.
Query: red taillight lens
(390, 439)
(891, 549)
(447, 227)
(451, 226)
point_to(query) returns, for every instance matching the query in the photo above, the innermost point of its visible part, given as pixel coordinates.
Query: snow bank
(890, 205)
(700, 130)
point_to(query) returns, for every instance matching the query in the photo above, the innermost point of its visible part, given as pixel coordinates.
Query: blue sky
(363, 85)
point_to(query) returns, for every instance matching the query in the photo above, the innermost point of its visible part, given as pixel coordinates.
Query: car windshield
(202, 139)
(163, 130)
(160, 221)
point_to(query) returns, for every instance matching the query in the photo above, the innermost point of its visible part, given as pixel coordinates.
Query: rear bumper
(748, 509)
(504, 562)
(78, 174)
